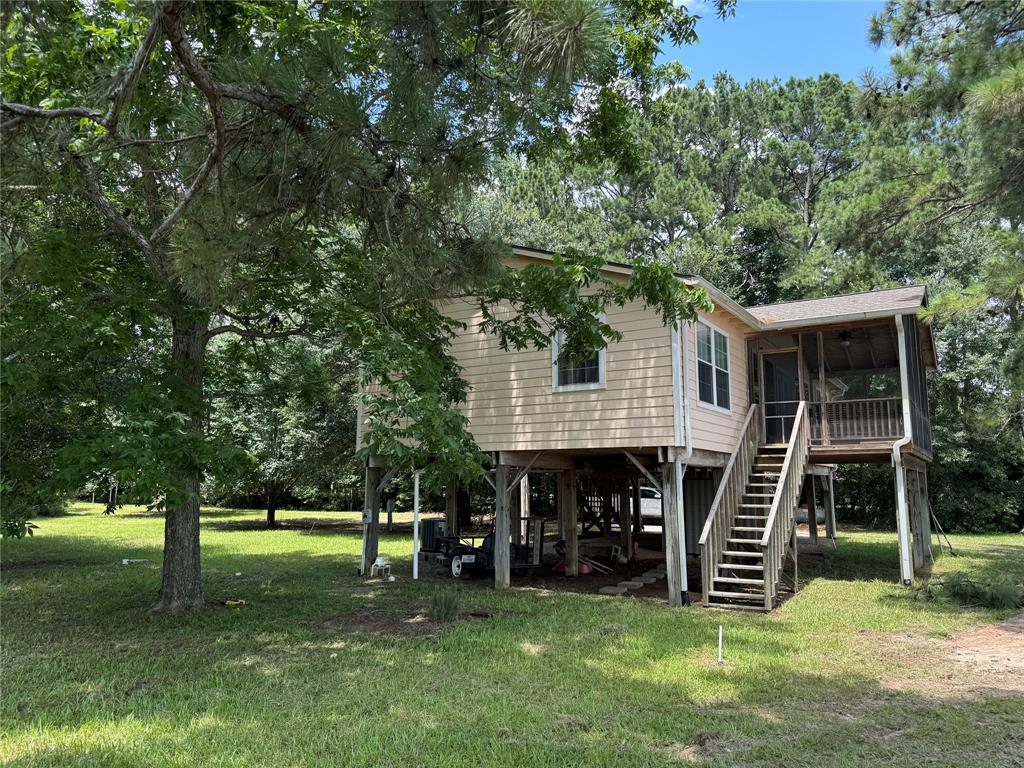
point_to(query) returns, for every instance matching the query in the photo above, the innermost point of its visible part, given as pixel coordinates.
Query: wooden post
(567, 514)
(625, 523)
(822, 390)
(812, 511)
(638, 520)
(451, 508)
(830, 507)
(607, 506)
(371, 518)
(670, 529)
(502, 569)
(796, 572)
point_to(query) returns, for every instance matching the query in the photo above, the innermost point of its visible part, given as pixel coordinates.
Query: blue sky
(782, 38)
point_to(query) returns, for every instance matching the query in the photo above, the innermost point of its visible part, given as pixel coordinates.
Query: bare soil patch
(998, 648)
(373, 622)
(988, 660)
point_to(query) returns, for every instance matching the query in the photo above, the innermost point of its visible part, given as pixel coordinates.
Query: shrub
(967, 590)
(444, 605)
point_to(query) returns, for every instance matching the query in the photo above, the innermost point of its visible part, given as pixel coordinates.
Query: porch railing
(727, 500)
(857, 420)
(782, 516)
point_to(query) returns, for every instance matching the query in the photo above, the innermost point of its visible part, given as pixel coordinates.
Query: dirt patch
(370, 622)
(997, 648)
(700, 749)
(988, 660)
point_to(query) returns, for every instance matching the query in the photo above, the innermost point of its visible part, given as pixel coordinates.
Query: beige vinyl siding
(713, 428)
(512, 405)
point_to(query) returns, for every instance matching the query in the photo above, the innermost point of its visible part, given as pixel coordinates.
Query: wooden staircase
(738, 579)
(752, 515)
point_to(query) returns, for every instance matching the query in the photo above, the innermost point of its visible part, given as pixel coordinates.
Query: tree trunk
(182, 585)
(273, 497)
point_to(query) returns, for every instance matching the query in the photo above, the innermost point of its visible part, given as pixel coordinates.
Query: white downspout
(681, 393)
(902, 509)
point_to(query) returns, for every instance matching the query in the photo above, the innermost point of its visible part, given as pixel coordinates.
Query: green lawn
(848, 673)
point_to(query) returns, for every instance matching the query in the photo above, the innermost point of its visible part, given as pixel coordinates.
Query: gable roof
(851, 306)
(885, 302)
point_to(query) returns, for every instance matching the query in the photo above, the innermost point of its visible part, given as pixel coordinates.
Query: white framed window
(588, 373)
(712, 366)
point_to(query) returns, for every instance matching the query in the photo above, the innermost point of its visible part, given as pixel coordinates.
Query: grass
(320, 668)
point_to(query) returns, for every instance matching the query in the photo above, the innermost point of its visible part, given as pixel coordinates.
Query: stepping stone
(632, 584)
(645, 579)
(612, 590)
(655, 574)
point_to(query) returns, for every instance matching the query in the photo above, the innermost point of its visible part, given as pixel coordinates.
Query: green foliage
(731, 182)
(444, 604)
(267, 171)
(971, 591)
(960, 63)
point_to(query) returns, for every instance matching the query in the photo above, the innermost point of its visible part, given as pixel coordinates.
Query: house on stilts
(731, 420)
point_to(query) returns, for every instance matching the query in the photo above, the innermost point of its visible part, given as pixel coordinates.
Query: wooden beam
(642, 468)
(670, 526)
(830, 509)
(568, 517)
(607, 506)
(525, 470)
(386, 479)
(822, 389)
(812, 509)
(638, 520)
(625, 523)
(552, 461)
(502, 562)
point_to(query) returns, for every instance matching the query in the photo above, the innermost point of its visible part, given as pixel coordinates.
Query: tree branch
(93, 191)
(250, 333)
(202, 80)
(128, 82)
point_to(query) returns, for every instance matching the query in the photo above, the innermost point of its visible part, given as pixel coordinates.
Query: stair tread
(735, 607)
(747, 528)
(739, 553)
(742, 566)
(734, 540)
(738, 580)
(745, 504)
(736, 595)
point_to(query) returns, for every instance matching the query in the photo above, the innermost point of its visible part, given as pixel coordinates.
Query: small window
(581, 374)
(712, 366)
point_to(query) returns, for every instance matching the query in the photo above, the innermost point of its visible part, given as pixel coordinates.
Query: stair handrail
(782, 516)
(730, 492)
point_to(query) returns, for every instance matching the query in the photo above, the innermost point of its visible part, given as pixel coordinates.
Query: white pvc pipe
(902, 510)
(416, 525)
